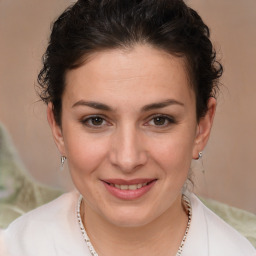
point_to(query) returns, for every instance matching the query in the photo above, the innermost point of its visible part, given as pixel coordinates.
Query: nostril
(127, 151)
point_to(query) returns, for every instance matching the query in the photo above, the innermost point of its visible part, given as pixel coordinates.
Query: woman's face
(129, 132)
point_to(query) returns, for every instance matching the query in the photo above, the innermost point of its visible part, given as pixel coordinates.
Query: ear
(204, 128)
(56, 130)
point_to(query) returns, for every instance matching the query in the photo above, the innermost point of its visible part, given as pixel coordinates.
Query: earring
(62, 161)
(200, 155)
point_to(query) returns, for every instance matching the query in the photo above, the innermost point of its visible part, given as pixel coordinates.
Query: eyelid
(84, 121)
(170, 119)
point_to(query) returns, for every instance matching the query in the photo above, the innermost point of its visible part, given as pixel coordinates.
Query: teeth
(124, 187)
(133, 187)
(129, 187)
(139, 185)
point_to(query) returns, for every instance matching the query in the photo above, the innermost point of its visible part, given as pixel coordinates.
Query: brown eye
(97, 121)
(160, 120)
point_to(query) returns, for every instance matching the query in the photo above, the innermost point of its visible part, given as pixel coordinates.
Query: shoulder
(222, 238)
(45, 230)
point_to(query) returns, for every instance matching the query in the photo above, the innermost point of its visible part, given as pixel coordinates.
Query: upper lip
(127, 182)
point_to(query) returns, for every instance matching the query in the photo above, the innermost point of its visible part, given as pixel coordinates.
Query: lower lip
(129, 194)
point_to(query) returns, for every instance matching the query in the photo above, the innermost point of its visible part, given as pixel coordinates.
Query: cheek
(174, 153)
(84, 154)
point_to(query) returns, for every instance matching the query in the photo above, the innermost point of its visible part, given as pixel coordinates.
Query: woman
(130, 92)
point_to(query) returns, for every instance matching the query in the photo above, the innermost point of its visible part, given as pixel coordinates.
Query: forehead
(142, 71)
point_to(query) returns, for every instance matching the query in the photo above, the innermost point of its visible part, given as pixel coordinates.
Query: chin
(129, 218)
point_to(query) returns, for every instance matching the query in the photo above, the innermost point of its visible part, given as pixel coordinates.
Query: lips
(128, 189)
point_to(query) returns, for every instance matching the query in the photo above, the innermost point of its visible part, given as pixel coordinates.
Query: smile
(129, 187)
(129, 190)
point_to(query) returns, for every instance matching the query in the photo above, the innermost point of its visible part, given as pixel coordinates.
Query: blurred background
(229, 160)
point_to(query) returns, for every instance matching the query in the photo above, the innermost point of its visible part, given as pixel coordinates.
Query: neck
(159, 237)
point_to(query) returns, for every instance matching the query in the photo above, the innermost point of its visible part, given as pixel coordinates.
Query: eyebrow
(162, 104)
(93, 104)
(152, 106)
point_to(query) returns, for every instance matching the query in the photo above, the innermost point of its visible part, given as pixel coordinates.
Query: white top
(53, 230)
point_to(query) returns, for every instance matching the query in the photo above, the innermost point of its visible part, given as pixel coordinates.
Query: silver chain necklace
(90, 246)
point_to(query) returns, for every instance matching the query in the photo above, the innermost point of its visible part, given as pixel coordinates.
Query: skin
(128, 142)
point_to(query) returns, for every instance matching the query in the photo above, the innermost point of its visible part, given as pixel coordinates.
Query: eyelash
(168, 119)
(91, 118)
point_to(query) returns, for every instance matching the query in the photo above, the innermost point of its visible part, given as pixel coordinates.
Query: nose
(128, 152)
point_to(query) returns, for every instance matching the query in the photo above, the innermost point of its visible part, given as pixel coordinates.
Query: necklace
(187, 206)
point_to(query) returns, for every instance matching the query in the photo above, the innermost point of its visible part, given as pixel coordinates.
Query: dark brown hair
(94, 25)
